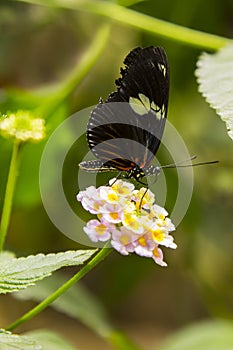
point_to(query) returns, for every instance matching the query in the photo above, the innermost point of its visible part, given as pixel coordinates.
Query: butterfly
(125, 131)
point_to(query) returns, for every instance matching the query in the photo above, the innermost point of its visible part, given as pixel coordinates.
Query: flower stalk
(9, 194)
(101, 255)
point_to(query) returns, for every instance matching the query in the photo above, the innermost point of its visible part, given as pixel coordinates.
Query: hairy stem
(9, 194)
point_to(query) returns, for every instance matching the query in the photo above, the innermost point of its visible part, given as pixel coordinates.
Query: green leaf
(9, 341)
(77, 302)
(5, 255)
(20, 273)
(215, 76)
(50, 340)
(206, 335)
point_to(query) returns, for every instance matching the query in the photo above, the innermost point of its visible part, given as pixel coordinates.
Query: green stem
(10, 186)
(89, 58)
(102, 254)
(141, 21)
(78, 73)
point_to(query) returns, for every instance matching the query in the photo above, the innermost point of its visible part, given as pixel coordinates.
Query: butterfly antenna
(174, 165)
(181, 165)
(197, 164)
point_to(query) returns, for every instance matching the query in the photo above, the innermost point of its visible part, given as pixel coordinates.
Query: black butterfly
(125, 131)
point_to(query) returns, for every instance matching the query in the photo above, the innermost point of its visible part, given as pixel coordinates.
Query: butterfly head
(136, 172)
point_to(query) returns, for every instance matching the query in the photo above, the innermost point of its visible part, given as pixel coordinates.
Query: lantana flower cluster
(129, 218)
(23, 126)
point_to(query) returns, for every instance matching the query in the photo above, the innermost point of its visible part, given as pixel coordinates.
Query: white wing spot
(159, 112)
(155, 107)
(138, 105)
(145, 101)
(162, 68)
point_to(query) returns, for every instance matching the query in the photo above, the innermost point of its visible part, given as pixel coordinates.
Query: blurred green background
(39, 46)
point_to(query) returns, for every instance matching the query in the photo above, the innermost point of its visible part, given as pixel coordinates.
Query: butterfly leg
(140, 205)
(116, 178)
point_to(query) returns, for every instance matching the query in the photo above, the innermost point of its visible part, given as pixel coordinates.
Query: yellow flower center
(96, 206)
(142, 241)
(114, 216)
(130, 221)
(101, 229)
(112, 197)
(156, 253)
(124, 239)
(158, 235)
(120, 189)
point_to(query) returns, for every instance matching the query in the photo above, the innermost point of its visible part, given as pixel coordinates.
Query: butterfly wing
(127, 128)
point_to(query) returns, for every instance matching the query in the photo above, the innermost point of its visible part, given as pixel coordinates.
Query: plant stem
(10, 186)
(141, 21)
(153, 25)
(78, 73)
(102, 254)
